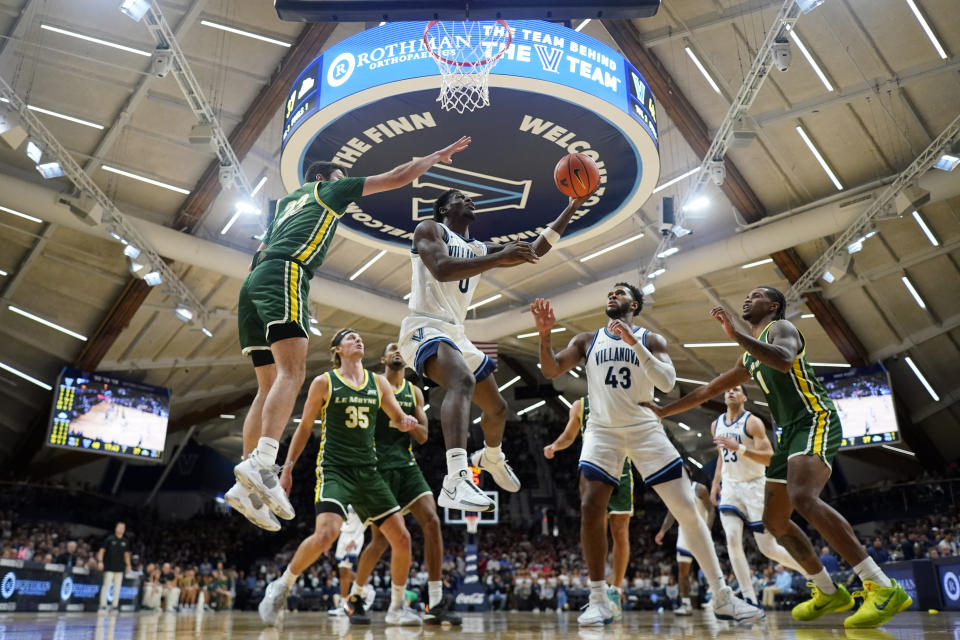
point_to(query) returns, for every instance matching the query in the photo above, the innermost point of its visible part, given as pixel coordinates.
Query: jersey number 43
(623, 381)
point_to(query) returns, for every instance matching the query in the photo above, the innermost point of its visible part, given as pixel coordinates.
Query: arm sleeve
(662, 374)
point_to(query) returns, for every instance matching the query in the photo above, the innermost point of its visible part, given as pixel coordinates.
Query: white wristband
(741, 448)
(550, 235)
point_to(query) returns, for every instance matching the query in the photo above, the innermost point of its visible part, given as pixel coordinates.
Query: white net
(465, 53)
(472, 520)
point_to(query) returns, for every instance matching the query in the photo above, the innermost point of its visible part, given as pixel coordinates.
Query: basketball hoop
(465, 52)
(472, 520)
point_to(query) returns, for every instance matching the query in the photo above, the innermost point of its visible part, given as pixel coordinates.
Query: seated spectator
(878, 552)
(782, 583)
(829, 561)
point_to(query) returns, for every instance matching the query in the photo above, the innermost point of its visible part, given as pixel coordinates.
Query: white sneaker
(727, 606)
(595, 615)
(252, 507)
(403, 616)
(274, 602)
(459, 492)
(263, 482)
(685, 608)
(502, 474)
(336, 612)
(369, 597)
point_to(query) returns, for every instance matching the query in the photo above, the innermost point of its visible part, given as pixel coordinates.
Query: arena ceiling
(891, 93)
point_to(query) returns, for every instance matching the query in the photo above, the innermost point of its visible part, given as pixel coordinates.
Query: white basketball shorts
(605, 448)
(744, 499)
(421, 336)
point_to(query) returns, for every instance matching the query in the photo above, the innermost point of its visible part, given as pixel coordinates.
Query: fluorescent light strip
(63, 116)
(106, 43)
(20, 215)
(565, 401)
(922, 379)
(820, 159)
(233, 218)
(807, 315)
(683, 426)
(407, 297)
(694, 462)
(134, 176)
(509, 384)
(531, 407)
(927, 30)
(26, 377)
(426, 407)
(899, 450)
(3, 273)
(926, 230)
(611, 247)
(690, 380)
(372, 261)
(52, 325)
(241, 32)
(670, 183)
(703, 69)
(838, 365)
(484, 301)
(809, 57)
(227, 416)
(536, 333)
(761, 403)
(913, 292)
(477, 419)
(666, 253)
(757, 263)
(698, 345)
(582, 24)
(573, 373)
(259, 186)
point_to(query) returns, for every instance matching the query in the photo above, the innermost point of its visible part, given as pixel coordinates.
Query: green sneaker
(614, 596)
(821, 603)
(879, 605)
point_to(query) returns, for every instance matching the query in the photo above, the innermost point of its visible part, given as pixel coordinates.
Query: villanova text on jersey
(616, 354)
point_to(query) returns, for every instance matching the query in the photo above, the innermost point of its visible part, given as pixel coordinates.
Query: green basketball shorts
(363, 487)
(275, 293)
(621, 501)
(407, 485)
(820, 437)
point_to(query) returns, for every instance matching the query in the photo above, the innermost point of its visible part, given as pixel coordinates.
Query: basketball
(576, 175)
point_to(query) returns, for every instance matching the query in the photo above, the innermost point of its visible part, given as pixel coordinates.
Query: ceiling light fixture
(816, 154)
(515, 380)
(106, 43)
(184, 313)
(683, 426)
(247, 34)
(153, 278)
(813, 63)
(34, 152)
(757, 263)
(697, 204)
(657, 273)
(536, 405)
(50, 170)
(668, 252)
(536, 333)
(690, 380)
(206, 332)
(694, 462)
(259, 186)
(899, 450)
(484, 301)
(699, 345)
(838, 365)
(808, 315)
(670, 183)
(131, 252)
(20, 214)
(913, 291)
(926, 230)
(369, 264)
(47, 323)
(315, 331)
(922, 379)
(21, 374)
(134, 176)
(611, 247)
(582, 24)
(927, 30)
(565, 401)
(64, 116)
(134, 9)
(703, 70)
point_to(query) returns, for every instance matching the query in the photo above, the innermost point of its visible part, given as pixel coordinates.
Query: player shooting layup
(623, 365)
(446, 266)
(273, 317)
(800, 468)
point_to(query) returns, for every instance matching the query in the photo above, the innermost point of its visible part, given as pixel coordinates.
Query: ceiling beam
(696, 133)
(707, 22)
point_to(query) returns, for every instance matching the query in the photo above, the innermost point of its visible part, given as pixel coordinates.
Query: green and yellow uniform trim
(621, 500)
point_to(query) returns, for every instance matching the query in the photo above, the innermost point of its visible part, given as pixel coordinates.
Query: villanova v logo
(549, 59)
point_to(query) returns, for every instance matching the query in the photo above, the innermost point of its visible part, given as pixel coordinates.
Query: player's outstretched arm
(316, 397)
(551, 235)
(554, 365)
(390, 406)
(409, 171)
(718, 470)
(726, 380)
(569, 434)
(777, 354)
(430, 246)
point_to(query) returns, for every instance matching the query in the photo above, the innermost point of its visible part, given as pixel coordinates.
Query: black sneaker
(356, 612)
(441, 613)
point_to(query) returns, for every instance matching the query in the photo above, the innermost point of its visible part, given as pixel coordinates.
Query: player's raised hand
(543, 315)
(409, 423)
(446, 154)
(623, 331)
(549, 451)
(722, 316)
(514, 253)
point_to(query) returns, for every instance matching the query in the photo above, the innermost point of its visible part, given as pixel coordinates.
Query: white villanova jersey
(616, 382)
(446, 301)
(737, 466)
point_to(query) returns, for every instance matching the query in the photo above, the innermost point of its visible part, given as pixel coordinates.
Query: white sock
(267, 451)
(397, 592)
(867, 569)
(598, 591)
(456, 461)
(289, 578)
(435, 590)
(493, 452)
(685, 600)
(679, 498)
(823, 581)
(733, 527)
(356, 589)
